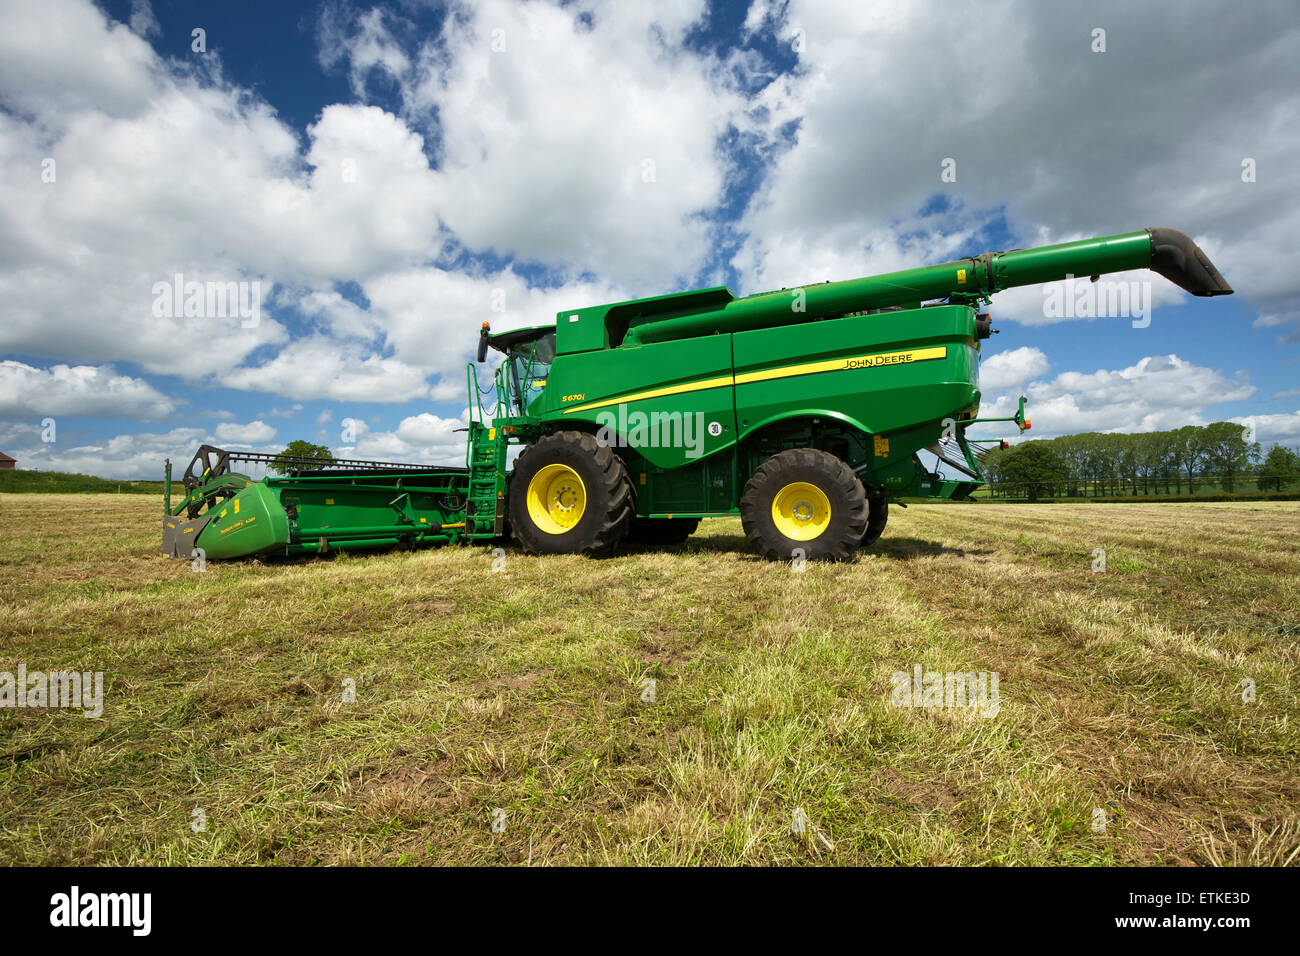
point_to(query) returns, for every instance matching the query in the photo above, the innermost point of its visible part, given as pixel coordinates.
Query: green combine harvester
(801, 411)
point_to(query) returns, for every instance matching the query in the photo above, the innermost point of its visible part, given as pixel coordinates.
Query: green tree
(1032, 469)
(1146, 458)
(1228, 451)
(1073, 450)
(991, 461)
(1099, 466)
(1281, 468)
(1173, 446)
(299, 449)
(1179, 455)
(1126, 466)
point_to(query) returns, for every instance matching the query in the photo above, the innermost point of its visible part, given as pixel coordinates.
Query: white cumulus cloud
(89, 390)
(1012, 368)
(253, 433)
(590, 144)
(1157, 392)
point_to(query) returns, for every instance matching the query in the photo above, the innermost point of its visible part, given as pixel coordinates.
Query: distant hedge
(21, 481)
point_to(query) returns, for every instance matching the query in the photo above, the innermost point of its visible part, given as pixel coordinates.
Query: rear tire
(877, 518)
(569, 495)
(661, 531)
(804, 500)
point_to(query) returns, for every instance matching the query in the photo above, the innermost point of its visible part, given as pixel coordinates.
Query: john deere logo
(872, 361)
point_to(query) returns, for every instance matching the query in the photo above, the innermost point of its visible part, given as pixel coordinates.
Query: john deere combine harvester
(802, 411)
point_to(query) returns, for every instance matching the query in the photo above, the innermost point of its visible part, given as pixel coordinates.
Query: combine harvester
(801, 411)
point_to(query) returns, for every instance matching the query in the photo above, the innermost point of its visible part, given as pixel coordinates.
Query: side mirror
(483, 342)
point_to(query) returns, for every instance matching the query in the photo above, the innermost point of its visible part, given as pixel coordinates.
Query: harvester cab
(803, 412)
(529, 353)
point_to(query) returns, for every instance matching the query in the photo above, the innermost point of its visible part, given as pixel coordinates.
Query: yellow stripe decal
(656, 393)
(847, 363)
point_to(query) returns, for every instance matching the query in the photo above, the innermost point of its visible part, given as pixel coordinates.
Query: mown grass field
(521, 690)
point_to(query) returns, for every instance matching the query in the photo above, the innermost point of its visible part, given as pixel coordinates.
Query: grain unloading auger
(801, 411)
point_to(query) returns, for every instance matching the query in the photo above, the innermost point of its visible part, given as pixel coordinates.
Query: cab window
(530, 363)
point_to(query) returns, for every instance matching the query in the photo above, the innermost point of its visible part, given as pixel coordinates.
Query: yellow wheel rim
(801, 511)
(557, 499)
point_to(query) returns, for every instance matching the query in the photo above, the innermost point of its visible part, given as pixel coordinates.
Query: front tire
(569, 495)
(802, 499)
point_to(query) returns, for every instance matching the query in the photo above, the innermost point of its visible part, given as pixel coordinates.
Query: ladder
(485, 511)
(485, 508)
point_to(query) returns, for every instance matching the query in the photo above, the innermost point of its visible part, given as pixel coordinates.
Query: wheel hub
(557, 499)
(801, 511)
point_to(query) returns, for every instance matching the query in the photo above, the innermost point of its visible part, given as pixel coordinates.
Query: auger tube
(1166, 251)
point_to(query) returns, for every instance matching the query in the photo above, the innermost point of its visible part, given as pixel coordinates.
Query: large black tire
(607, 491)
(661, 531)
(846, 502)
(877, 518)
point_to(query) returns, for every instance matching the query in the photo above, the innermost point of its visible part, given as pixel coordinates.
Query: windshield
(530, 363)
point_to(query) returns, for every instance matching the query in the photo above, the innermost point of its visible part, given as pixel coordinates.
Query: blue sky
(386, 172)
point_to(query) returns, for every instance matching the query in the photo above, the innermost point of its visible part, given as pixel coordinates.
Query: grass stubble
(521, 691)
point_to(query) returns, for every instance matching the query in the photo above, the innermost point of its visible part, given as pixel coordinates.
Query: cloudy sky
(382, 178)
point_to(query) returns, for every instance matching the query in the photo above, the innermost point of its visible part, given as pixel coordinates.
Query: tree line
(1107, 464)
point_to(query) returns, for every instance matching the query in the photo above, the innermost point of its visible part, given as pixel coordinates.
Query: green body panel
(603, 326)
(252, 522)
(590, 390)
(906, 388)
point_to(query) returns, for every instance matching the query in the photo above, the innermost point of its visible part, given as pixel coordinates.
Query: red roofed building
(7, 463)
